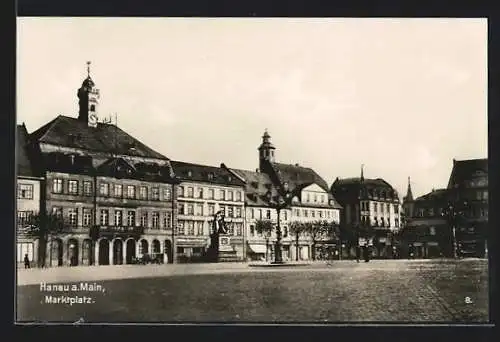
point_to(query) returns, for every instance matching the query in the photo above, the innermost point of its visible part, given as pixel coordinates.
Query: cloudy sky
(401, 96)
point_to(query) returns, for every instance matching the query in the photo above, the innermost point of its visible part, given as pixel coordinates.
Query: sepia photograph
(251, 171)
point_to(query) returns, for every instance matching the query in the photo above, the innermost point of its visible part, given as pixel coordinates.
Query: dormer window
(229, 178)
(189, 173)
(210, 176)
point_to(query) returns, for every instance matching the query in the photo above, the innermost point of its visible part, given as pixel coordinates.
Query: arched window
(92, 108)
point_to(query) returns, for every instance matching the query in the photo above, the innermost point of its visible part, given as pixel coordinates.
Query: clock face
(92, 118)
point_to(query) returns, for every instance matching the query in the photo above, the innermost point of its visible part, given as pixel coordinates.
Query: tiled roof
(465, 169)
(297, 176)
(204, 173)
(71, 132)
(437, 195)
(257, 185)
(349, 189)
(24, 164)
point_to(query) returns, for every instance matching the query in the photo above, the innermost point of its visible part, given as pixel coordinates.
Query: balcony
(121, 231)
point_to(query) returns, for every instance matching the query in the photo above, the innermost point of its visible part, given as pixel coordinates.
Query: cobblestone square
(427, 291)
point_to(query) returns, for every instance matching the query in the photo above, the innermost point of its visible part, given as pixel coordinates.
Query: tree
(42, 226)
(317, 230)
(297, 228)
(264, 227)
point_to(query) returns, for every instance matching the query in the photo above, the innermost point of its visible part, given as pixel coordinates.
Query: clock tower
(88, 96)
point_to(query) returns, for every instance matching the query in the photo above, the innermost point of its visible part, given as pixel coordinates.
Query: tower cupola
(266, 149)
(88, 100)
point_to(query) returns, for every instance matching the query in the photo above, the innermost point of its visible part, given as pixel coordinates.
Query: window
(57, 211)
(260, 214)
(229, 195)
(181, 228)
(87, 217)
(92, 108)
(210, 193)
(200, 228)
(421, 212)
(199, 209)
(252, 230)
(388, 208)
(73, 187)
(190, 228)
(238, 211)
(130, 191)
(320, 213)
(375, 207)
(239, 229)
(57, 186)
(180, 191)
(118, 190)
(200, 192)
(230, 212)
(297, 213)
(131, 218)
(143, 192)
(180, 208)
(431, 212)
(167, 220)
(118, 218)
(24, 217)
(396, 209)
(73, 216)
(23, 249)
(190, 193)
(230, 229)
(268, 214)
(315, 198)
(222, 195)
(87, 188)
(285, 231)
(104, 217)
(308, 197)
(222, 209)
(156, 220)
(238, 196)
(432, 230)
(313, 213)
(211, 209)
(190, 208)
(25, 191)
(144, 219)
(167, 194)
(485, 195)
(104, 189)
(155, 194)
(252, 213)
(306, 213)
(396, 222)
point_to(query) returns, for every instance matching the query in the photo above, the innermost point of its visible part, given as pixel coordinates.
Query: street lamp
(279, 201)
(453, 214)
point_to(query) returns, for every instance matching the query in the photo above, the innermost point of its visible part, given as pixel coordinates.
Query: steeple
(362, 176)
(88, 102)
(409, 194)
(266, 150)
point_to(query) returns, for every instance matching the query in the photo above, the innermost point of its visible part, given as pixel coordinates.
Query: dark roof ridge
(42, 131)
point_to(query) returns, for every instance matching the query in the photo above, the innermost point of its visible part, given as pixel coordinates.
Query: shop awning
(258, 249)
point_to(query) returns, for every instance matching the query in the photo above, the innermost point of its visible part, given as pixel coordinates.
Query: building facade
(453, 220)
(372, 212)
(113, 195)
(29, 197)
(204, 191)
(310, 202)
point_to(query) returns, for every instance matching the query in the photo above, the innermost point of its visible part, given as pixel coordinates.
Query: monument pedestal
(226, 251)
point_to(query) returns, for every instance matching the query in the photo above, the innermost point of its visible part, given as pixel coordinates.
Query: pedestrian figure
(26, 261)
(358, 252)
(366, 254)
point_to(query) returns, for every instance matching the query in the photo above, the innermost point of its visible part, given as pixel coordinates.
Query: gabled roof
(71, 132)
(256, 187)
(204, 173)
(297, 176)
(23, 160)
(464, 170)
